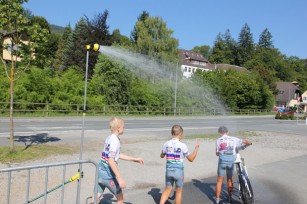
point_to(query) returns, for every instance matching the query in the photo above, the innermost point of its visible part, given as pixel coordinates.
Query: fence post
(47, 110)
(78, 109)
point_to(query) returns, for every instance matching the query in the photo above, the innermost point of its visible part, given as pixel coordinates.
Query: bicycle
(245, 187)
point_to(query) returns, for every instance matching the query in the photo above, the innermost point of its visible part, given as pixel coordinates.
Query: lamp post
(176, 85)
(95, 48)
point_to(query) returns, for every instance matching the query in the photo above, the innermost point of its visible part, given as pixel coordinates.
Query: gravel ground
(267, 147)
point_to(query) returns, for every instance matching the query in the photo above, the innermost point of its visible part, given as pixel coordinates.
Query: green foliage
(58, 63)
(245, 49)
(75, 50)
(69, 88)
(143, 94)
(134, 32)
(22, 154)
(111, 80)
(237, 90)
(203, 50)
(155, 39)
(34, 86)
(265, 39)
(224, 49)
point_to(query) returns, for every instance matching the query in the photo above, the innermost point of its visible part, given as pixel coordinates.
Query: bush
(284, 117)
(277, 116)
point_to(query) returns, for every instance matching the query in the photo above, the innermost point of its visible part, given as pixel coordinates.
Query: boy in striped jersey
(175, 152)
(109, 175)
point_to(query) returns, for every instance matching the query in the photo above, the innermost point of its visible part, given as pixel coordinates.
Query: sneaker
(217, 201)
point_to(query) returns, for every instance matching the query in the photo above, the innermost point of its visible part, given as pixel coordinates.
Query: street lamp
(94, 47)
(176, 85)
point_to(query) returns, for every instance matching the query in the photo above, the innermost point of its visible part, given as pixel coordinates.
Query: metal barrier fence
(46, 109)
(19, 177)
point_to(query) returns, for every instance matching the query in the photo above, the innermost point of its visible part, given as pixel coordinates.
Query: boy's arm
(192, 156)
(247, 142)
(115, 170)
(128, 158)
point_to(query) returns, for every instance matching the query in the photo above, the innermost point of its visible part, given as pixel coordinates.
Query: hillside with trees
(56, 74)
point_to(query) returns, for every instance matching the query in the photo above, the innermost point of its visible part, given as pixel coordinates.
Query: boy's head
(117, 125)
(222, 130)
(177, 131)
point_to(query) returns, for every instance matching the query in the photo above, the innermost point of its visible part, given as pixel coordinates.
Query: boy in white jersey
(226, 150)
(175, 152)
(109, 175)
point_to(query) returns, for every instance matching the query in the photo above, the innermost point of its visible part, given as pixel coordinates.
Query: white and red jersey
(226, 145)
(111, 149)
(175, 152)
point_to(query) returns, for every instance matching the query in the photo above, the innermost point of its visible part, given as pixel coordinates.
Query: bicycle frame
(245, 187)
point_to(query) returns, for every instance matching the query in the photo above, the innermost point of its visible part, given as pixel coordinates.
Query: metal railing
(22, 177)
(46, 109)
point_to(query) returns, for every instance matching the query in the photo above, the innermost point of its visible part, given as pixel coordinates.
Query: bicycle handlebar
(242, 147)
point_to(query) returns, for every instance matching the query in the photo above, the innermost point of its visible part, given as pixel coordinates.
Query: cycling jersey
(111, 150)
(226, 147)
(175, 152)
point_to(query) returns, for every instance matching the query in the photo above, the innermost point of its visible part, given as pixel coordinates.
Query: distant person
(175, 152)
(109, 175)
(226, 150)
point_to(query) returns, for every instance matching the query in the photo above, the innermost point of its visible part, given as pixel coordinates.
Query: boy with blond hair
(109, 174)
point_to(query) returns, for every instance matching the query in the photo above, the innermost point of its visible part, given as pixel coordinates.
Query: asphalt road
(145, 126)
(271, 185)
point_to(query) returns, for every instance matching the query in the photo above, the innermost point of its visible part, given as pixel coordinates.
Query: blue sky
(194, 22)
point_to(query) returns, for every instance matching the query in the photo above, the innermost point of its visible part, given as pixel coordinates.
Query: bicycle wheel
(246, 191)
(251, 193)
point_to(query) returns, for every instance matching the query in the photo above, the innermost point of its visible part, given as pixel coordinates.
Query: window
(281, 91)
(189, 69)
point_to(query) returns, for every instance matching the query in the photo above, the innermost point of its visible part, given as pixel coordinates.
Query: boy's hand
(121, 182)
(197, 144)
(139, 160)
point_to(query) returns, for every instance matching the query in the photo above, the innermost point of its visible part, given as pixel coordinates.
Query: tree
(47, 42)
(265, 39)
(98, 32)
(238, 89)
(203, 50)
(217, 54)
(245, 45)
(155, 39)
(14, 23)
(230, 47)
(224, 49)
(58, 64)
(120, 40)
(75, 50)
(134, 32)
(112, 81)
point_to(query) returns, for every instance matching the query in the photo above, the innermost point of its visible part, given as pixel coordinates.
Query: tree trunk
(12, 108)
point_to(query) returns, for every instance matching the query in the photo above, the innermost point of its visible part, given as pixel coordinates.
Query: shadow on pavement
(208, 188)
(156, 195)
(41, 138)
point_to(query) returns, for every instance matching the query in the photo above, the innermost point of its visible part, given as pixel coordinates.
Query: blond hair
(115, 123)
